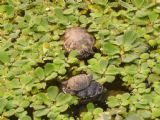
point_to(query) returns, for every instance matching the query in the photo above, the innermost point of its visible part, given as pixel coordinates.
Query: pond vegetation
(33, 62)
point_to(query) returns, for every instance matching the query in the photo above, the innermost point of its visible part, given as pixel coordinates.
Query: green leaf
(42, 28)
(95, 68)
(72, 57)
(133, 116)
(48, 68)
(14, 84)
(156, 69)
(112, 70)
(41, 112)
(62, 108)
(2, 8)
(113, 102)
(87, 116)
(43, 98)
(8, 27)
(10, 9)
(90, 107)
(63, 99)
(110, 49)
(24, 80)
(52, 92)
(129, 37)
(131, 69)
(39, 72)
(62, 71)
(100, 2)
(129, 57)
(152, 43)
(24, 103)
(3, 104)
(107, 78)
(138, 3)
(153, 78)
(9, 113)
(153, 16)
(97, 111)
(144, 56)
(4, 57)
(103, 63)
(61, 3)
(144, 113)
(156, 87)
(156, 100)
(52, 76)
(26, 117)
(156, 112)
(68, 11)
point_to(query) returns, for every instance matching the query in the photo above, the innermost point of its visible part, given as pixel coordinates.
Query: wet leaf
(107, 78)
(138, 3)
(90, 107)
(156, 69)
(26, 118)
(131, 69)
(52, 92)
(112, 70)
(113, 102)
(156, 112)
(133, 116)
(100, 2)
(153, 16)
(153, 78)
(129, 37)
(4, 57)
(49, 68)
(3, 104)
(129, 57)
(41, 112)
(110, 49)
(87, 116)
(97, 112)
(52, 76)
(144, 113)
(39, 72)
(63, 99)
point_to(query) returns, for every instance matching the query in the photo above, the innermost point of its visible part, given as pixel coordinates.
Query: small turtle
(82, 86)
(80, 40)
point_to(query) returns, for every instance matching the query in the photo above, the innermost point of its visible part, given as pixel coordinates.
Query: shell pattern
(83, 86)
(79, 82)
(78, 39)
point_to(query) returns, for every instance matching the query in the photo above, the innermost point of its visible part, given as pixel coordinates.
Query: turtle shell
(79, 82)
(78, 39)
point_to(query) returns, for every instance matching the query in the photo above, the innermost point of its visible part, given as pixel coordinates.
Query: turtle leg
(66, 90)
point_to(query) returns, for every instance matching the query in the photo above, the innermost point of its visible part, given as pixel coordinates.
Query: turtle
(78, 39)
(83, 86)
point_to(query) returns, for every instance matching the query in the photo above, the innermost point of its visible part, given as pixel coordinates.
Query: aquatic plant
(33, 62)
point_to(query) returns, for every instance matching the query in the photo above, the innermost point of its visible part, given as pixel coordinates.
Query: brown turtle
(80, 40)
(82, 86)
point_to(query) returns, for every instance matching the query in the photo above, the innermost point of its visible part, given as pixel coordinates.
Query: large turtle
(80, 40)
(82, 86)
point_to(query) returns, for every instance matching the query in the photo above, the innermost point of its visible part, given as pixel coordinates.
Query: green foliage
(33, 60)
(91, 113)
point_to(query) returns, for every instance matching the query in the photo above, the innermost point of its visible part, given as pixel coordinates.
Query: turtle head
(64, 83)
